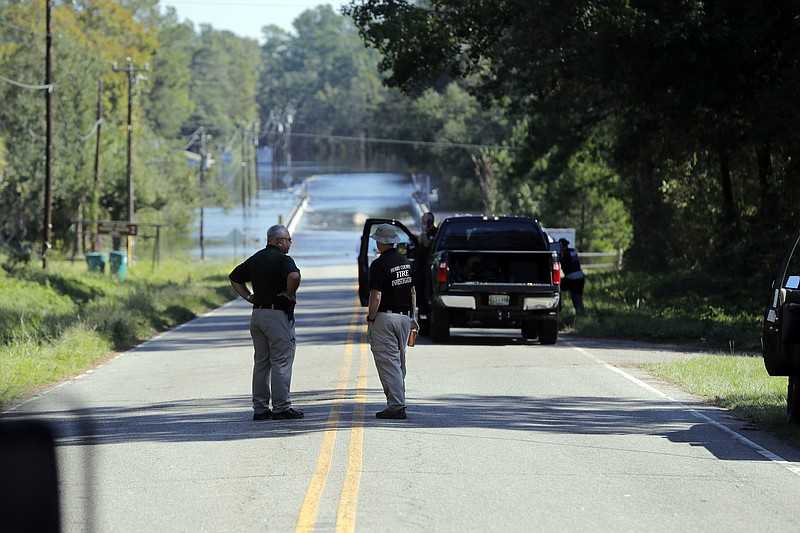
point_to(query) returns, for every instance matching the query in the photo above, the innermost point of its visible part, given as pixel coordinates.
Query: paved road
(502, 435)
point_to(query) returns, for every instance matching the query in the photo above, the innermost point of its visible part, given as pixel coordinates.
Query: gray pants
(274, 344)
(387, 338)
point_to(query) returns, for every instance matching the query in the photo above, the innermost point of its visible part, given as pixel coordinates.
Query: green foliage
(739, 384)
(170, 104)
(675, 122)
(678, 307)
(330, 79)
(29, 308)
(59, 321)
(30, 362)
(190, 78)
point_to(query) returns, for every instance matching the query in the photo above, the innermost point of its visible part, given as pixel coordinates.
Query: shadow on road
(520, 417)
(326, 319)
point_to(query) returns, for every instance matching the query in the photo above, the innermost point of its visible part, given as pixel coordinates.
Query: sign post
(117, 228)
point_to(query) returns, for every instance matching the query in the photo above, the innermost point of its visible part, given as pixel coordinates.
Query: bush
(58, 321)
(685, 307)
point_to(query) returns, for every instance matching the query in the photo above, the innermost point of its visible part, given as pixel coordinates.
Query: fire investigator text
(403, 275)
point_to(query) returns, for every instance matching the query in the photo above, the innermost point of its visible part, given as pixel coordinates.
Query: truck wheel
(424, 326)
(548, 331)
(530, 329)
(793, 400)
(439, 324)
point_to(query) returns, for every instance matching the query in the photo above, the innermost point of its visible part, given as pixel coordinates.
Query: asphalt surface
(502, 435)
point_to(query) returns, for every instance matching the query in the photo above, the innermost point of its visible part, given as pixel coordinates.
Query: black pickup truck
(485, 271)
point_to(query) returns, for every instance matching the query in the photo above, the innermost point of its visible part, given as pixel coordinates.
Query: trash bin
(96, 261)
(118, 264)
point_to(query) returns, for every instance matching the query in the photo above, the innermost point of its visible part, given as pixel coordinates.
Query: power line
(404, 141)
(48, 86)
(70, 127)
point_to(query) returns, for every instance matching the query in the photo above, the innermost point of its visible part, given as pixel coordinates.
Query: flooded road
(330, 230)
(328, 233)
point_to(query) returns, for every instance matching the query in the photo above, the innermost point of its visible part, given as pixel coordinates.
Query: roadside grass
(680, 307)
(706, 314)
(28, 364)
(739, 384)
(60, 321)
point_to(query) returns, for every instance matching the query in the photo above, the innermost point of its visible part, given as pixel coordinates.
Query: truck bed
(499, 268)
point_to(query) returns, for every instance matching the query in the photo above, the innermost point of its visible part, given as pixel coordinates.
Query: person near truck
(572, 277)
(422, 272)
(275, 278)
(392, 300)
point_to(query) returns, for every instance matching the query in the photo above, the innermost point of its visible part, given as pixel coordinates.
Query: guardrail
(591, 265)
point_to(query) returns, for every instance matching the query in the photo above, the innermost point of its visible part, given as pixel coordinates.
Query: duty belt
(406, 313)
(288, 309)
(270, 306)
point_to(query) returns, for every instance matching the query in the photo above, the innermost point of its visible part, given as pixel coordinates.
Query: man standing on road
(392, 300)
(422, 271)
(275, 279)
(573, 278)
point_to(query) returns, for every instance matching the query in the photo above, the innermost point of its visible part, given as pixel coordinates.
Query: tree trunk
(764, 160)
(649, 218)
(727, 186)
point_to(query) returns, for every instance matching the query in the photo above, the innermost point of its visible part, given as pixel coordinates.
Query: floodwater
(329, 231)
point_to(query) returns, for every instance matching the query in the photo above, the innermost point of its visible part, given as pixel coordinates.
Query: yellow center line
(346, 514)
(307, 519)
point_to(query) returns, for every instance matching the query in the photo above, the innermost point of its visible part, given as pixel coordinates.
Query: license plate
(498, 299)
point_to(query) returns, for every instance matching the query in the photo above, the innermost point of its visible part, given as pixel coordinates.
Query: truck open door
(368, 251)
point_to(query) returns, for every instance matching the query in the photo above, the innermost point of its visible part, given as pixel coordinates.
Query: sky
(244, 17)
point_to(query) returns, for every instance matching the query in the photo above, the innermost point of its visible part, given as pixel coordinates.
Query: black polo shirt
(391, 275)
(267, 271)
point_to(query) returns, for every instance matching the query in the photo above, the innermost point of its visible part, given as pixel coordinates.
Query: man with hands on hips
(275, 279)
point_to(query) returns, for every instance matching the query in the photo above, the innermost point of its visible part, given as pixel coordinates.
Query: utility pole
(130, 70)
(255, 154)
(289, 119)
(131, 78)
(244, 168)
(96, 193)
(250, 189)
(274, 127)
(48, 168)
(203, 165)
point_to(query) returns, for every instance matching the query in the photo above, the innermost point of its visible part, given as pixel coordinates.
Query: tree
(328, 77)
(169, 104)
(687, 93)
(90, 36)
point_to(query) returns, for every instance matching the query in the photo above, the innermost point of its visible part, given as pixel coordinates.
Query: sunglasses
(284, 238)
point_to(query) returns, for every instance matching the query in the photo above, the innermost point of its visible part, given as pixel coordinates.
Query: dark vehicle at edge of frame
(781, 348)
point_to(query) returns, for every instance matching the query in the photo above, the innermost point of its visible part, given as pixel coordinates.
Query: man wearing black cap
(573, 278)
(392, 301)
(275, 279)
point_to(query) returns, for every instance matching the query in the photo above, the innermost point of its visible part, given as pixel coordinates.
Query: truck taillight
(556, 272)
(442, 272)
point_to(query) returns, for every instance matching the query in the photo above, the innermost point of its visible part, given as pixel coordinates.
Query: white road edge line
(67, 381)
(790, 466)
